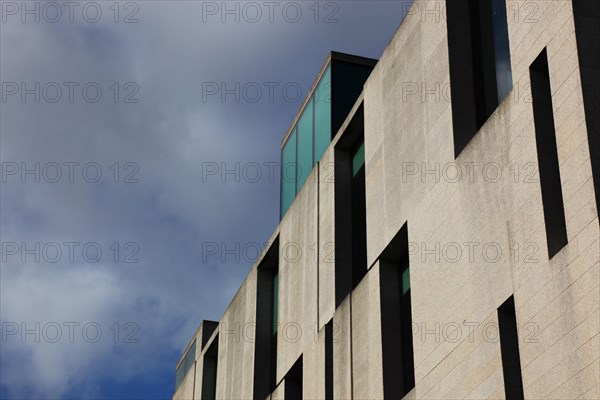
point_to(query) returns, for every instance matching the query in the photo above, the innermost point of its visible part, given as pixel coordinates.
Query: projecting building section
(439, 232)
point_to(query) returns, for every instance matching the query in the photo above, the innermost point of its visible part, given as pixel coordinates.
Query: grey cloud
(171, 212)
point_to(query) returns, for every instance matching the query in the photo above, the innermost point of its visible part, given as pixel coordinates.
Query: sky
(140, 144)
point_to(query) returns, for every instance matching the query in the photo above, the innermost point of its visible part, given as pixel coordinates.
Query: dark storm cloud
(162, 140)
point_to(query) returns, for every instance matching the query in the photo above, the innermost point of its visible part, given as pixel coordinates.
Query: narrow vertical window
(396, 318)
(288, 173)
(359, 214)
(275, 319)
(293, 382)
(586, 14)
(305, 145)
(479, 59)
(209, 371)
(504, 82)
(350, 208)
(408, 364)
(185, 365)
(329, 360)
(509, 347)
(322, 104)
(545, 136)
(265, 344)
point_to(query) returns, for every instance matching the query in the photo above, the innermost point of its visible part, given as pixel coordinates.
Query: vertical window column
(305, 145)
(288, 173)
(586, 14)
(359, 214)
(350, 209)
(396, 318)
(265, 344)
(189, 361)
(329, 360)
(209, 371)
(479, 60)
(322, 118)
(545, 137)
(293, 382)
(509, 347)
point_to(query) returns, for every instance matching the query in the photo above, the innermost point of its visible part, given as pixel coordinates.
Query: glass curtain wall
(307, 142)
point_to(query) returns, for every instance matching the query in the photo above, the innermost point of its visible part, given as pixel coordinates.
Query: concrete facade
(474, 239)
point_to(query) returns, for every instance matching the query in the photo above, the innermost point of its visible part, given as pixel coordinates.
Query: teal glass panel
(322, 99)
(190, 357)
(305, 145)
(179, 375)
(358, 159)
(275, 301)
(405, 281)
(288, 173)
(186, 365)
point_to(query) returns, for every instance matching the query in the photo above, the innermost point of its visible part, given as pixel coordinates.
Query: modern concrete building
(439, 233)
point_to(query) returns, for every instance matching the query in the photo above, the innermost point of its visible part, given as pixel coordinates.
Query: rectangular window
(322, 105)
(288, 173)
(396, 318)
(329, 360)
(545, 137)
(504, 82)
(347, 82)
(509, 347)
(179, 375)
(320, 120)
(209, 371)
(208, 328)
(265, 344)
(350, 208)
(586, 14)
(305, 145)
(293, 382)
(186, 364)
(358, 159)
(479, 58)
(359, 214)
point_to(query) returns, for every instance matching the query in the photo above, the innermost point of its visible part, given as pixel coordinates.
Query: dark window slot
(396, 318)
(293, 382)
(208, 328)
(586, 14)
(545, 136)
(347, 81)
(509, 347)
(209, 371)
(479, 60)
(265, 346)
(350, 209)
(329, 360)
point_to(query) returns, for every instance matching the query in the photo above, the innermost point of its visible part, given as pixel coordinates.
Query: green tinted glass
(288, 173)
(305, 145)
(179, 375)
(405, 281)
(190, 357)
(322, 99)
(358, 159)
(185, 365)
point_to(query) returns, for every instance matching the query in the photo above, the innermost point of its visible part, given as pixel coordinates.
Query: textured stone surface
(495, 221)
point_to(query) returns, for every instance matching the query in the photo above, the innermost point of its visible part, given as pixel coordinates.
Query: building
(442, 241)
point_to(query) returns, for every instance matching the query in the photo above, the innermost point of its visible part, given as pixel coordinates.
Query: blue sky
(108, 246)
